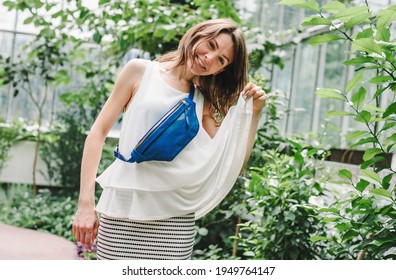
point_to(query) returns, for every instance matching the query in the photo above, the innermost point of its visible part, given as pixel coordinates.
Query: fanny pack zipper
(160, 122)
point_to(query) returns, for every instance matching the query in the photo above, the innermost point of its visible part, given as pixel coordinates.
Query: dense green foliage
(364, 218)
(281, 217)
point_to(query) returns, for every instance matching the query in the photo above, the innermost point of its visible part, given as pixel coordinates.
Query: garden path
(26, 244)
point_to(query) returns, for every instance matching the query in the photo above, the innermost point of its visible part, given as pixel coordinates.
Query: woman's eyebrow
(217, 46)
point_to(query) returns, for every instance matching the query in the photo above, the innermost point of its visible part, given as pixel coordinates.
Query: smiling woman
(147, 210)
(215, 52)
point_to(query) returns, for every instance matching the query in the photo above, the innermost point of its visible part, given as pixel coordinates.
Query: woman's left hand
(258, 94)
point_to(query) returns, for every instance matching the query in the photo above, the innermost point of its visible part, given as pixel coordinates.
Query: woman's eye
(221, 60)
(211, 44)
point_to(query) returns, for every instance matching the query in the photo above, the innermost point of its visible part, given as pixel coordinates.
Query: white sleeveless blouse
(195, 181)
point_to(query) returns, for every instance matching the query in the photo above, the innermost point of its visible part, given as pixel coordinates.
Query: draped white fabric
(195, 181)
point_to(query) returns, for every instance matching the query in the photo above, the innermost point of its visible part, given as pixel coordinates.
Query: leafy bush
(281, 215)
(365, 217)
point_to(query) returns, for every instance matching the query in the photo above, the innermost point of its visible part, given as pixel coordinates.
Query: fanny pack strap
(192, 89)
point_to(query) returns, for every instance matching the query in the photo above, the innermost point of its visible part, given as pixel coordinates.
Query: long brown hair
(221, 90)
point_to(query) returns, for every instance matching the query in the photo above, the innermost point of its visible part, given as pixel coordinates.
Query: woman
(148, 209)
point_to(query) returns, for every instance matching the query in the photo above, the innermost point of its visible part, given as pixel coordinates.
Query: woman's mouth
(200, 63)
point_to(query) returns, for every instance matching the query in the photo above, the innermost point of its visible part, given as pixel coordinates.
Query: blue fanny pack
(168, 136)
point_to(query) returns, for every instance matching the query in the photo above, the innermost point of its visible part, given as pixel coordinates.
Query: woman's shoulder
(134, 70)
(137, 65)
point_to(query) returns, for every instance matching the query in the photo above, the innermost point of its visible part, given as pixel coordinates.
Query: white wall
(19, 167)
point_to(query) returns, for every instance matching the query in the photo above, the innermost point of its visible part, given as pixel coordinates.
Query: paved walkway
(26, 244)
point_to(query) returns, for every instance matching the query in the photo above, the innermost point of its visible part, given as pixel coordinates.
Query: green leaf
(97, 37)
(330, 210)
(334, 7)
(160, 32)
(371, 175)
(378, 92)
(339, 113)
(203, 231)
(356, 134)
(324, 38)
(330, 219)
(343, 227)
(305, 4)
(391, 139)
(298, 158)
(62, 77)
(349, 13)
(370, 153)
(388, 126)
(381, 192)
(330, 93)
(101, 2)
(360, 60)
(289, 216)
(361, 18)
(365, 68)
(359, 97)
(28, 20)
(57, 14)
(296, 145)
(318, 238)
(365, 33)
(380, 80)
(367, 45)
(363, 117)
(345, 173)
(383, 34)
(38, 4)
(362, 185)
(370, 162)
(349, 235)
(385, 17)
(364, 141)
(315, 20)
(9, 4)
(249, 254)
(386, 181)
(360, 203)
(352, 83)
(391, 109)
(378, 119)
(373, 108)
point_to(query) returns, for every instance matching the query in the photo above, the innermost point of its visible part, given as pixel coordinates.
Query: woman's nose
(209, 58)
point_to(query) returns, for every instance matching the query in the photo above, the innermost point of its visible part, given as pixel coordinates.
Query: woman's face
(211, 56)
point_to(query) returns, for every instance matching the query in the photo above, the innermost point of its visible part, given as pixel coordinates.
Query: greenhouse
(320, 180)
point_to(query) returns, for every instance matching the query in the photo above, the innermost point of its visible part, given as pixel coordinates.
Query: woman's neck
(176, 76)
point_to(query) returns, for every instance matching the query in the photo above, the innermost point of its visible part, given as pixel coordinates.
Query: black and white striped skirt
(169, 239)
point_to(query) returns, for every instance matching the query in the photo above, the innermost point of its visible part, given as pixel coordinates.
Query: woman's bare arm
(85, 223)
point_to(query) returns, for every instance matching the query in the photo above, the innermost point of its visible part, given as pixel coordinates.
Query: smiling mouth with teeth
(199, 62)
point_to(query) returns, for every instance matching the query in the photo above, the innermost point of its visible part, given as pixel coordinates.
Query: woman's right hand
(85, 226)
